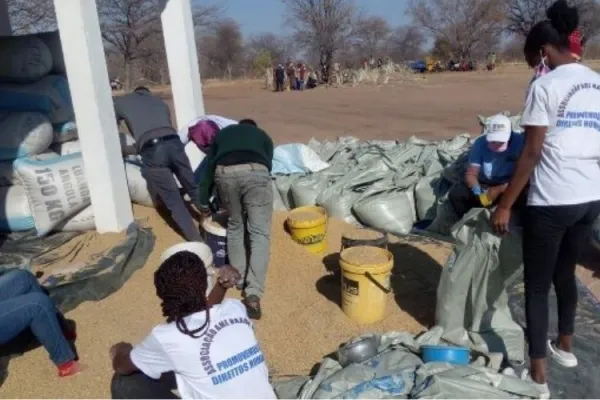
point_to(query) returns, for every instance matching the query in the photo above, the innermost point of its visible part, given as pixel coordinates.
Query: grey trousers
(159, 163)
(247, 194)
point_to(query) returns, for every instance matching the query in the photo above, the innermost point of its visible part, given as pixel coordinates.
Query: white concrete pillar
(180, 45)
(5, 29)
(94, 113)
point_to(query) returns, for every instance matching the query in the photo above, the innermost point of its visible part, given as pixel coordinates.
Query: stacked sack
(39, 188)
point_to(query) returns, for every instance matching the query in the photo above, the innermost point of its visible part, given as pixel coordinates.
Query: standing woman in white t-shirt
(561, 160)
(207, 344)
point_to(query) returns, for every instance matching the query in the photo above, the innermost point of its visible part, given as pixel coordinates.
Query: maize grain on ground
(302, 320)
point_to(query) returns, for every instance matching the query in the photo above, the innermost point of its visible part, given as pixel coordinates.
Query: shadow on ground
(414, 281)
(415, 278)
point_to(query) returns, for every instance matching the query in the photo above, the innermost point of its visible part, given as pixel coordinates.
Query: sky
(259, 16)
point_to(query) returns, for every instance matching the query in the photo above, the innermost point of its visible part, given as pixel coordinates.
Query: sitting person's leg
(462, 199)
(140, 386)
(33, 310)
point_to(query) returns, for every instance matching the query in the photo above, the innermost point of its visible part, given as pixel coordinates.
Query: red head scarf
(575, 46)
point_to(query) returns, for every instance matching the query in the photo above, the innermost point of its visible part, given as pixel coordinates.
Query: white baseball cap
(498, 129)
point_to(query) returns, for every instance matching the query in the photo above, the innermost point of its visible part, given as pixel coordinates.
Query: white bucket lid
(201, 250)
(213, 225)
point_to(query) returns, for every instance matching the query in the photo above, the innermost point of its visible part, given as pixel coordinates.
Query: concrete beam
(94, 112)
(180, 45)
(5, 28)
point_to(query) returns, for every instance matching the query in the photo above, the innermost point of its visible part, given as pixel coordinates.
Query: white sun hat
(498, 129)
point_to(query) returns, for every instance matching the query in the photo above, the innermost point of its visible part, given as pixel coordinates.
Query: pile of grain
(365, 255)
(305, 215)
(84, 250)
(354, 233)
(302, 319)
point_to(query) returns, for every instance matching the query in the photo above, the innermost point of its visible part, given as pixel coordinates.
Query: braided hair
(181, 282)
(562, 21)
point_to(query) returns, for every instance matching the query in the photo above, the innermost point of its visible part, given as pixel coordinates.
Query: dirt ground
(438, 106)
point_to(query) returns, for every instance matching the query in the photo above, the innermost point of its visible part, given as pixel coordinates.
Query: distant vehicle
(418, 66)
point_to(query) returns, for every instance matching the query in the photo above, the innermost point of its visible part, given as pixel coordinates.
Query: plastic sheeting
(296, 158)
(90, 282)
(398, 372)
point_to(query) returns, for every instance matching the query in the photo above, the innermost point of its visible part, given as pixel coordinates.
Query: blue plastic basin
(449, 354)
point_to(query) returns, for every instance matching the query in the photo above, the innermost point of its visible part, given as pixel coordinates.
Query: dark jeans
(553, 239)
(247, 194)
(159, 162)
(23, 304)
(463, 200)
(279, 85)
(140, 386)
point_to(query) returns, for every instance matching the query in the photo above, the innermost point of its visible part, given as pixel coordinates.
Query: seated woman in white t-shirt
(208, 344)
(561, 162)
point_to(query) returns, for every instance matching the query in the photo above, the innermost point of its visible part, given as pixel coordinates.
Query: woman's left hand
(501, 220)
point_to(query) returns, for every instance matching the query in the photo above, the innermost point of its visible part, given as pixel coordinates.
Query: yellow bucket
(365, 282)
(317, 248)
(307, 231)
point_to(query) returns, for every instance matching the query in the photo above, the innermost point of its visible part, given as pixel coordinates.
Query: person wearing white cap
(491, 165)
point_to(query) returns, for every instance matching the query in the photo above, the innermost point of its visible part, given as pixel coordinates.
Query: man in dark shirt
(163, 154)
(239, 162)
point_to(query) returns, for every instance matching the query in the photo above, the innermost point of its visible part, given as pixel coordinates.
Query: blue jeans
(23, 304)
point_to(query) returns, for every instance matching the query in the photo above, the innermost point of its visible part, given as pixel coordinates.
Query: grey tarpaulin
(19, 248)
(92, 282)
(567, 383)
(472, 302)
(398, 372)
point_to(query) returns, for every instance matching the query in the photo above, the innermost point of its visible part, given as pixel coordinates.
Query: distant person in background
(239, 163)
(279, 78)
(291, 74)
(302, 74)
(24, 304)
(149, 121)
(492, 162)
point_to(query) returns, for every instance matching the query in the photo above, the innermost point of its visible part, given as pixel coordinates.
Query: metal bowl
(358, 351)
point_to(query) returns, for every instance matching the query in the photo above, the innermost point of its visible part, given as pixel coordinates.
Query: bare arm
(530, 156)
(121, 359)
(472, 176)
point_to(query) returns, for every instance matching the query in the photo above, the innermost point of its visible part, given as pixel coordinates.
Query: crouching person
(206, 349)
(24, 304)
(238, 164)
(492, 162)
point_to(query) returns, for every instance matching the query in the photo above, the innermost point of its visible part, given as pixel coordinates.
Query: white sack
(82, 221)
(306, 190)
(425, 197)
(392, 211)
(278, 204)
(52, 40)
(15, 214)
(23, 134)
(222, 122)
(295, 159)
(65, 132)
(66, 148)
(50, 96)
(138, 188)
(24, 59)
(56, 189)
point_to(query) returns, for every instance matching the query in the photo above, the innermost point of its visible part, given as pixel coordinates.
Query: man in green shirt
(238, 163)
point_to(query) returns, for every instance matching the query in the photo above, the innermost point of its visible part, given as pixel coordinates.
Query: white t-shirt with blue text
(567, 102)
(496, 168)
(226, 362)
